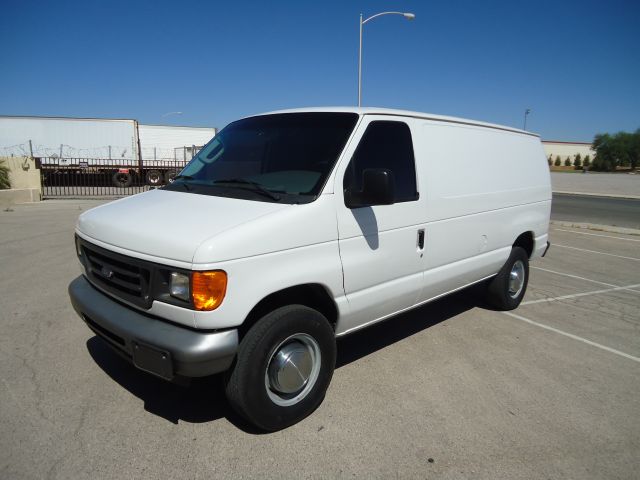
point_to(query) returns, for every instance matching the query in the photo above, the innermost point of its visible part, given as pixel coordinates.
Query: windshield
(283, 157)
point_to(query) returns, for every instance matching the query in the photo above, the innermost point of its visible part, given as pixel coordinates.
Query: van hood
(169, 225)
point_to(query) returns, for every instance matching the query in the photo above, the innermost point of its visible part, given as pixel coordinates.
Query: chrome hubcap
(516, 279)
(293, 369)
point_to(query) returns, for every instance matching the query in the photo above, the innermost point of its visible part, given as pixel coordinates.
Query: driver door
(380, 247)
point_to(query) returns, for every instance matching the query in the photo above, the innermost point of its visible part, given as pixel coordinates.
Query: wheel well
(310, 295)
(525, 240)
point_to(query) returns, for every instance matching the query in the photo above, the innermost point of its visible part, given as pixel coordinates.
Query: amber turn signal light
(208, 289)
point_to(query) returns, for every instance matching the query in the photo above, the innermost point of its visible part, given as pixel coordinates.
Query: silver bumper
(153, 345)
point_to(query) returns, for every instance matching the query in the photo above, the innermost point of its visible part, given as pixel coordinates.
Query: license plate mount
(153, 360)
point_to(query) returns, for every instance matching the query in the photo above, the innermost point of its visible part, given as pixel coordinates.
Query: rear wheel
(284, 366)
(507, 288)
(122, 180)
(169, 175)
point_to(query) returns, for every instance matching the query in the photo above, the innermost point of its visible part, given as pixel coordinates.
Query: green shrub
(587, 161)
(550, 160)
(567, 162)
(603, 164)
(577, 163)
(4, 177)
(558, 162)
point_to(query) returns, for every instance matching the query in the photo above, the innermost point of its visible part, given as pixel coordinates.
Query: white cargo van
(292, 228)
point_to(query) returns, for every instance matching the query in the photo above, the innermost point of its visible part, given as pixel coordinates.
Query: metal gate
(90, 177)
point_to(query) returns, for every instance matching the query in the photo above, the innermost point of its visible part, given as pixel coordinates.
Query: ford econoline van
(292, 228)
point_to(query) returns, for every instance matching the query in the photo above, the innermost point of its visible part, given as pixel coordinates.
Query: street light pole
(526, 112)
(360, 65)
(408, 16)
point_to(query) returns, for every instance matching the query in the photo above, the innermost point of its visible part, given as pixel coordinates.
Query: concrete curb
(608, 195)
(596, 227)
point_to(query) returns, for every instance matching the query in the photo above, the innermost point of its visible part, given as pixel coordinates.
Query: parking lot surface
(450, 390)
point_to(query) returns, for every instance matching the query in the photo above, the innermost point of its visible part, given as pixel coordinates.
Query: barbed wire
(99, 152)
(39, 150)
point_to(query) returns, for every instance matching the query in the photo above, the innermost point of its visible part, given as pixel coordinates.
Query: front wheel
(507, 288)
(283, 368)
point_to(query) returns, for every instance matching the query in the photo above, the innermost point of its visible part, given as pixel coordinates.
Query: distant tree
(606, 152)
(557, 162)
(634, 149)
(619, 150)
(4, 177)
(567, 162)
(550, 160)
(587, 161)
(577, 163)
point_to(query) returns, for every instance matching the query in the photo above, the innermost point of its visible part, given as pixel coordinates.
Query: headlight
(179, 286)
(209, 289)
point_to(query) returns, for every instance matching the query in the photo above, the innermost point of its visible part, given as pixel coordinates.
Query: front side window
(386, 145)
(282, 157)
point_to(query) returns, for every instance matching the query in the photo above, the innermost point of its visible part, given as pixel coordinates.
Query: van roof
(402, 113)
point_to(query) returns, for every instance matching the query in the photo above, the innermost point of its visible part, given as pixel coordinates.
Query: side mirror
(377, 189)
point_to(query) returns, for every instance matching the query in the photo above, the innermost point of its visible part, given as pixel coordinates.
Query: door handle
(421, 239)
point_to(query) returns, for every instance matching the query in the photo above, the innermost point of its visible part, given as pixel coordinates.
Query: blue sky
(576, 64)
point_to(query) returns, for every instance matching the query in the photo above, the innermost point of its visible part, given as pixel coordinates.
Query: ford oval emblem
(106, 273)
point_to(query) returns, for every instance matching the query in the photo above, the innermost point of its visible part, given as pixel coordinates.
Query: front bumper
(152, 344)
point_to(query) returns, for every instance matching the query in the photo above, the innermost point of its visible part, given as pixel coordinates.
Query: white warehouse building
(97, 138)
(563, 150)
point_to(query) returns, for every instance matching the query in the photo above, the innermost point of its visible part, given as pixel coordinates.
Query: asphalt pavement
(618, 212)
(451, 390)
(597, 183)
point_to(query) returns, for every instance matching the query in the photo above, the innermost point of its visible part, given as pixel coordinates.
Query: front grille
(125, 277)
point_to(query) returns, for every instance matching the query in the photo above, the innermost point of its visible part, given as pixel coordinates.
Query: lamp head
(409, 16)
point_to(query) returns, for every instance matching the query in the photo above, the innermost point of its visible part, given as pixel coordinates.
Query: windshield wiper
(249, 185)
(183, 177)
(186, 177)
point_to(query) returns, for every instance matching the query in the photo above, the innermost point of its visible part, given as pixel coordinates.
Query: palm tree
(4, 177)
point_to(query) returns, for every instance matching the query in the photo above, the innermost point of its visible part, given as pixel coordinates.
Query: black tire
(153, 178)
(249, 383)
(122, 180)
(502, 293)
(169, 175)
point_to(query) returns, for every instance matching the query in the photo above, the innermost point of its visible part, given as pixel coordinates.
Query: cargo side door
(380, 246)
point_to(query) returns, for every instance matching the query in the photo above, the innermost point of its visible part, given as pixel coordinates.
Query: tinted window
(290, 154)
(385, 145)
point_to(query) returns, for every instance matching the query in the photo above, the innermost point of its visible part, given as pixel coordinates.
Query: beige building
(567, 149)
